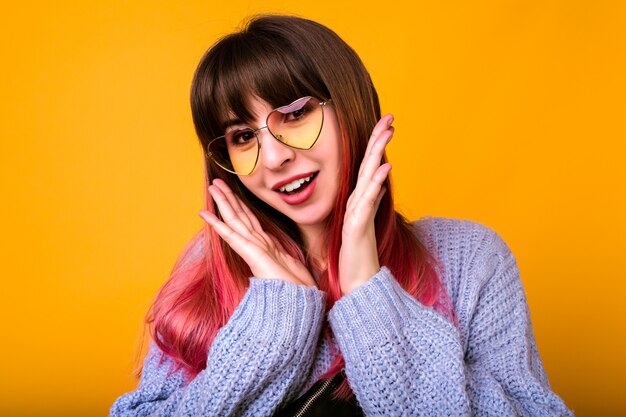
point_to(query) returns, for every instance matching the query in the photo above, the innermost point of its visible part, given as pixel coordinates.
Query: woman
(305, 273)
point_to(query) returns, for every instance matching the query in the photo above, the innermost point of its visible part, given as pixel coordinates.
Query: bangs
(248, 65)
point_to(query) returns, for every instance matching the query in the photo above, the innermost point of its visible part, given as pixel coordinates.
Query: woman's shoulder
(451, 236)
(468, 251)
(447, 227)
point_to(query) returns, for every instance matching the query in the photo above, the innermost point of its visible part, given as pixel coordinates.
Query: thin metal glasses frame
(256, 136)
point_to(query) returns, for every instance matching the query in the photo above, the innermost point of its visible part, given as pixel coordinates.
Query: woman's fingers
(381, 127)
(253, 219)
(363, 209)
(383, 124)
(241, 210)
(247, 246)
(245, 214)
(367, 200)
(372, 157)
(238, 217)
(371, 163)
(230, 236)
(374, 193)
(234, 218)
(381, 193)
(235, 203)
(256, 226)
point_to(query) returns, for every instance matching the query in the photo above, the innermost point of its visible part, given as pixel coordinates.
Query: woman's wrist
(361, 276)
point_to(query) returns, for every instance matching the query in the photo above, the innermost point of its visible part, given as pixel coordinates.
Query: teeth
(295, 184)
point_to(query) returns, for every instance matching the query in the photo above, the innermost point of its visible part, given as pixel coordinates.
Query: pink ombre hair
(279, 59)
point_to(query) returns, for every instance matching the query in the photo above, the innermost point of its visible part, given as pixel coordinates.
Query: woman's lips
(279, 184)
(302, 194)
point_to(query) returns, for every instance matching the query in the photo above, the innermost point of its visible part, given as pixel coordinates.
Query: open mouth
(298, 185)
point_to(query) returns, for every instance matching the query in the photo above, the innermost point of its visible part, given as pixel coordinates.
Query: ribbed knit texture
(402, 358)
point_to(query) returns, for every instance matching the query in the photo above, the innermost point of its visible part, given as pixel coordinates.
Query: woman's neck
(315, 244)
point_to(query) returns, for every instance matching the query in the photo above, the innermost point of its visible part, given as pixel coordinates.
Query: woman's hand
(242, 231)
(358, 257)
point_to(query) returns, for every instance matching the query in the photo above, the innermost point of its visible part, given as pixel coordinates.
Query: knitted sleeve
(403, 358)
(262, 355)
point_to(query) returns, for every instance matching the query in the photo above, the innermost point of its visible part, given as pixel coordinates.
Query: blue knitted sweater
(402, 358)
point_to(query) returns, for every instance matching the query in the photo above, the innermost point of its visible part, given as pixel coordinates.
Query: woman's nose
(273, 153)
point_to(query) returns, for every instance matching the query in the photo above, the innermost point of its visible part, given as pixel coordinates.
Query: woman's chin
(309, 221)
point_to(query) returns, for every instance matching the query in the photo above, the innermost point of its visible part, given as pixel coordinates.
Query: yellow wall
(511, 113)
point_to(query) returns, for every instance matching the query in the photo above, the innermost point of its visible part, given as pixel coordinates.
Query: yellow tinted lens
(297, 124)
(237, 152)
(244, 161)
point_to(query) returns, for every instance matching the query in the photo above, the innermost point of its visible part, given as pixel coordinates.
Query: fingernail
(390, 121)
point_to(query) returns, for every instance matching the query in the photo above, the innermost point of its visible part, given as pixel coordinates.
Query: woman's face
(279, 166)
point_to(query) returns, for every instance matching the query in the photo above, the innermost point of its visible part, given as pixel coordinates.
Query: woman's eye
(296, 115)
(241, 137)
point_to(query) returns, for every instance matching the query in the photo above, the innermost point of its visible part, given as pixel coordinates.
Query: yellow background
(510, 113)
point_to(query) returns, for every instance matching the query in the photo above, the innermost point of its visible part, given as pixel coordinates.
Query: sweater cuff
(277, 311)
(380, 311)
